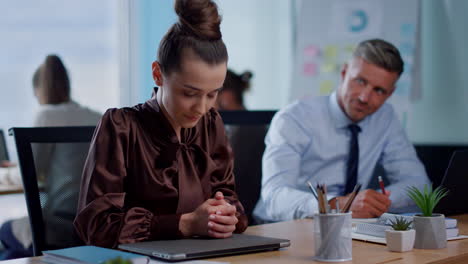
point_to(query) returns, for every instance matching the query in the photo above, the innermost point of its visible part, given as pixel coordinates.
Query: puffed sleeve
(222, 179)
(102, 218)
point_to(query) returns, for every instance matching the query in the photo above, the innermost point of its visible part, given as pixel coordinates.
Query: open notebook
(373, 229)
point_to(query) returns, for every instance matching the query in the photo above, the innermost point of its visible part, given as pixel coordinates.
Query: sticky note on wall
(311, 51)
(309, 69)
(329, 67)
(330, 52)
(325, 87)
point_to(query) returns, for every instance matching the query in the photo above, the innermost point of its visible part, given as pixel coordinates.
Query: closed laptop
(184, 249)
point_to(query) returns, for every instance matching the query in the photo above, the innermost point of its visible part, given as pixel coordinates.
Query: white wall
(83, 33)
(258, 35)
(441, 116)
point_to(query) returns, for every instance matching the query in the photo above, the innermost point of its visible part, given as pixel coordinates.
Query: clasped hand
(215, 218)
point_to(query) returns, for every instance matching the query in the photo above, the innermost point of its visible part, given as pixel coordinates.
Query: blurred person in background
(58, 166)
(231, 97)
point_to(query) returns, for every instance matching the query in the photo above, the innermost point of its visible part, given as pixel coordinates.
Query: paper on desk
(381, 240)
(457, 237)
(364, 220)
(155, 261)
(367, 238)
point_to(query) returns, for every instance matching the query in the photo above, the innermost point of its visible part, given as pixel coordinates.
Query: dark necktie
(353, 159)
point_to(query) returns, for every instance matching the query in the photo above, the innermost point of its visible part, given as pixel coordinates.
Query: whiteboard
(329, 30)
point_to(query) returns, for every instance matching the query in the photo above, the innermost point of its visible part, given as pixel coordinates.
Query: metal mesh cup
(332, 234)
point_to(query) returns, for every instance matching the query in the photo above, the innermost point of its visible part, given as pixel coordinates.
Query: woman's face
(188, 94)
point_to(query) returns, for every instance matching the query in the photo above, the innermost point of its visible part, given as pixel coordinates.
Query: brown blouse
(138, 179)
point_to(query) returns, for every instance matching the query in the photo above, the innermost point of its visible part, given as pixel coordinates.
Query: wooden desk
(302, 248)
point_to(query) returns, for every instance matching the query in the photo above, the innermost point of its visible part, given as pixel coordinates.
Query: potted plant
(429, 227)
(401, 238)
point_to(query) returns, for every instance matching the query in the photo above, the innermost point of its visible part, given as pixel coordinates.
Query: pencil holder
(332, 234)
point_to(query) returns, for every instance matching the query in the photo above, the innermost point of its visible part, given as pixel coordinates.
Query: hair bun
(246, 76)
(53, 61)
(201, 17)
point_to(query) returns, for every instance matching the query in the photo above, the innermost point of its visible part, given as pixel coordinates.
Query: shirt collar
(155, 113)
(153, 102)
(340, 119)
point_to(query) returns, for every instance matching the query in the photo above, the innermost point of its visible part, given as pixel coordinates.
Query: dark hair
(380, 53)
(237, 84)
(51, 81)
(198, 30)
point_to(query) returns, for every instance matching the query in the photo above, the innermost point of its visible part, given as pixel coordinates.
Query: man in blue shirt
(312, 140)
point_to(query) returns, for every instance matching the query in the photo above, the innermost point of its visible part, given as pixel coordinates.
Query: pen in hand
(381, 183)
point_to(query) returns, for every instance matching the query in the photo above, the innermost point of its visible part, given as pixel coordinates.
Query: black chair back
(51, 161)
(436, 159)
(3, 147)
(246, 132)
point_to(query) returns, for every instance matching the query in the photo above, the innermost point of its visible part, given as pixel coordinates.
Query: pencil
(312, 190)
(351, 198)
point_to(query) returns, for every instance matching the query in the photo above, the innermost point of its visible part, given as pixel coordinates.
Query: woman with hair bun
(164, 169)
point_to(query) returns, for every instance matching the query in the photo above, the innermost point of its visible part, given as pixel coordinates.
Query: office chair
(436, 159)
(3, 147)
(51, 192)
(246, 132)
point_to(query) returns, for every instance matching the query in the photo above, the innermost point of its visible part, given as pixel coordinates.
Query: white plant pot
(430, 231)
(400, 241)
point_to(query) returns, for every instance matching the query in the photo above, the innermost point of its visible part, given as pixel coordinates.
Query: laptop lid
(456, 181)
(184, 249)
(3, 147)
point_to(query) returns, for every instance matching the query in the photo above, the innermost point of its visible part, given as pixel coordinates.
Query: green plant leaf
(427, 199)
(400, 223)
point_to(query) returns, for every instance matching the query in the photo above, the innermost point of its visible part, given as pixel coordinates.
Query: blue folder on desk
(90, 255)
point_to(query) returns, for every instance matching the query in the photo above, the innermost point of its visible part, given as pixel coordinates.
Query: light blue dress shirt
(309, 141)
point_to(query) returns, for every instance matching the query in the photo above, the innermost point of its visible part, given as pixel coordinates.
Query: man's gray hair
(381, 53)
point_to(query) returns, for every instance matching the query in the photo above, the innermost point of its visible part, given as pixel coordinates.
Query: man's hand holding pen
(367, 204)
